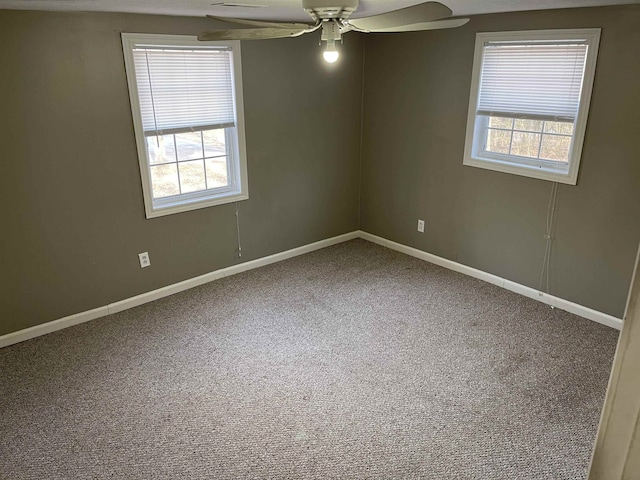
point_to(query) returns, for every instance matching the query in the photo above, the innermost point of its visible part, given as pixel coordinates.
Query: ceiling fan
(332, 16)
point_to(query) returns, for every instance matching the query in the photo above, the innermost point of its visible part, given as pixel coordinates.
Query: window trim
(473, 159)
(193, 200)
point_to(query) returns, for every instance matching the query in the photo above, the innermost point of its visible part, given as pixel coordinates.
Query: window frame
(525, 166)
(236, 149)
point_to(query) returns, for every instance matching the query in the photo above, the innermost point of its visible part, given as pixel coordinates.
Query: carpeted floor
(351, 362)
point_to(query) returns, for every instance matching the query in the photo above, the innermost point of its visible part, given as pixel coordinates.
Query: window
(530, 95)
(186, 100)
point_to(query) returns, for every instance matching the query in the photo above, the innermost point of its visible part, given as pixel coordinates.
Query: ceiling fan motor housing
(328, 9)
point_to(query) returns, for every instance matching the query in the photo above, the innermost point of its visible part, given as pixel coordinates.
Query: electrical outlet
(144, 259)
(421, 226)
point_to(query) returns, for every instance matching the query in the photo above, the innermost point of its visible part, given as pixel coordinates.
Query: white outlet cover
(145, 261)
(421, 226)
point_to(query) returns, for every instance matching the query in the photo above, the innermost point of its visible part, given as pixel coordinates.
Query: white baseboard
(52, 326)
(43, 329)
(556, 302)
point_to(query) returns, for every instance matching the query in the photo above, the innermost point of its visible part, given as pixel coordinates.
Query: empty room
(313, 239)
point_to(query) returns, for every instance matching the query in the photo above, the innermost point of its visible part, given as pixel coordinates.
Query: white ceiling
(288, 9)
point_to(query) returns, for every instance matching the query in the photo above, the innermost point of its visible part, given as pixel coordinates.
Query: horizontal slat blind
(532, 80)
(182, 90)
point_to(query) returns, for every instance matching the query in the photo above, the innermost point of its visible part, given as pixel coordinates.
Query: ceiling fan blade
(262, 24)
(250, 34)
(423, 12)
(416, 27)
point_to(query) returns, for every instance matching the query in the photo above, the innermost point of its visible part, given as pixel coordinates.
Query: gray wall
(415, 111)
(72, 209)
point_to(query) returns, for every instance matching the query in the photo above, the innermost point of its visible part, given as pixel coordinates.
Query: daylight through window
(529, 102)
(186, 98)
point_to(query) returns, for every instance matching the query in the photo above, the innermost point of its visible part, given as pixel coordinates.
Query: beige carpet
(351, 362)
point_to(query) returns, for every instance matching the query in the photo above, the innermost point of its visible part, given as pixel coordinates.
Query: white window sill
(186, 205)
(522, 170)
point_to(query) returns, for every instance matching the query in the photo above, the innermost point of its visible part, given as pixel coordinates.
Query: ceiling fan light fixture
(330, 33)
(330, 54)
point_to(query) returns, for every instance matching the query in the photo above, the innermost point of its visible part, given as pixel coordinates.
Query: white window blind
(182, 90)
(533, 80)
